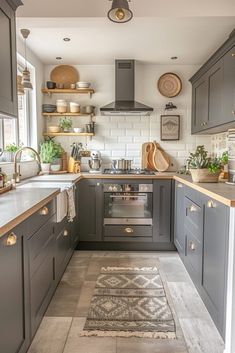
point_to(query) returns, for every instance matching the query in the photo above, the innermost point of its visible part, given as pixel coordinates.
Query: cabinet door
(90, 210)
(162, 211)
(63, 247)
(8, 90)
(229, 86)
(179, 233)
(200, 104)
(13, 327)
(215, 94)
(214, 272)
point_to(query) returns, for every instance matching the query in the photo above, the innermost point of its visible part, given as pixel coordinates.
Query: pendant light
(120, 11)
(26, 74)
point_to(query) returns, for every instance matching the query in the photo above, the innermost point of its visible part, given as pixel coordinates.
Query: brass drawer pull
(192, 246)
(129, 230)
(11, 239)
(192, 208)
(66, 233)
(211, 204)
(233, 55)
(44, 211)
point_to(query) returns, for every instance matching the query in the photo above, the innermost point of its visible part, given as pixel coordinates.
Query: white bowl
(78, 130)
(83, 84)
(55, 167)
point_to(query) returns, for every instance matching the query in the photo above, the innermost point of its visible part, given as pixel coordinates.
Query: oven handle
(144, 197)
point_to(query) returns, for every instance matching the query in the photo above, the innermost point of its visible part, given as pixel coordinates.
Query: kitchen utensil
(121, 164)
(90, 128)
(83, 84)
(60, 85)
(64, 74)
(144, 155)
(55, 167)
(73, 85)
(150, 150)
(88, 109)
(74, 107)
(61, 106)
(51, 85)
(169, 85)
(95, 162)
(161, 160)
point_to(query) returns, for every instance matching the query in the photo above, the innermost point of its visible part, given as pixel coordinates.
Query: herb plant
(50, 150)
(200, 160)
(66, 123)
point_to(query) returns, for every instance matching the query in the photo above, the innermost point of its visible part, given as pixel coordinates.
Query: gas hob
(129, 172)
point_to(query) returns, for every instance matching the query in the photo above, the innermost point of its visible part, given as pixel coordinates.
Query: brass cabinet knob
(233, 55)
(66, 233)
(179, 185)
(11, 239)
(129, 230)
(98, 184)
(192, 246)
(192, 208)
(44, 211)
(211, 204)
(233, 112)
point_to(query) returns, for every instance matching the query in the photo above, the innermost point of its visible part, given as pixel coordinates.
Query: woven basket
(204, 176)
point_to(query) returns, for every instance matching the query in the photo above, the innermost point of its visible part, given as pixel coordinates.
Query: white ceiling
(141, 8)
(150, 40)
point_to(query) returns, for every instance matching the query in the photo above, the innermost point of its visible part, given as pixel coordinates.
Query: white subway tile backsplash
(133, 153)
(133, 119)
(126, 139)
(125, 125)
(118, 119)
(132, 132)
(119, 154)
(133, 146)
(118, 132)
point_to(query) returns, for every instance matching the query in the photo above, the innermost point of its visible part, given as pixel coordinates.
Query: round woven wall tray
(64, 74)
(169, 85)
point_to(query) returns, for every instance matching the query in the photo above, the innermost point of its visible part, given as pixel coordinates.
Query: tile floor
(66, 314)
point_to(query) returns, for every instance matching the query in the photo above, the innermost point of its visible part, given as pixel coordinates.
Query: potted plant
(49, 151)
(10, 150)
(224, 162)
(66, 124)
(203, 169)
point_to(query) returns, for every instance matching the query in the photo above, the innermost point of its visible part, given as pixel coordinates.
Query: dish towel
(71, 214)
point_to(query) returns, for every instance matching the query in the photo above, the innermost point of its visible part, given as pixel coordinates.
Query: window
(17, 131)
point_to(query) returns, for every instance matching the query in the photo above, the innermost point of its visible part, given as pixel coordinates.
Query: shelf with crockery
(89, 91)
(67, 114)
(54, 134)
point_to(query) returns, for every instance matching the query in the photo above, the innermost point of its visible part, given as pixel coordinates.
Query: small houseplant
(10, 151)
(66, 124)
(203, 169)
(49, 151)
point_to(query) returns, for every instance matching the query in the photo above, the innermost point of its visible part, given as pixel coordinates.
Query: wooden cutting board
(144, 155)
(160, 159)
(150, 153)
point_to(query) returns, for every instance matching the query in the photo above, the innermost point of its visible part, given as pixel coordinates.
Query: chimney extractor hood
(125, 103)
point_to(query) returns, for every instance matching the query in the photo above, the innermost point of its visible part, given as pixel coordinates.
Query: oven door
(128, 208)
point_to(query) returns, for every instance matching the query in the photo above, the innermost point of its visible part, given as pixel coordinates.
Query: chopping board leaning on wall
(154, 157)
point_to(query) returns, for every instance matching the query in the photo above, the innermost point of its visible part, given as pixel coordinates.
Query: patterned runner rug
(129, 302)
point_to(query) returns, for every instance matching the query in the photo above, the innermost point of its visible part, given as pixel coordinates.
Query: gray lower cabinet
(204, 247)
(214, 262)
(8, 72)
(162, 211)
(14, 329)
(90, 212)
(179, 233)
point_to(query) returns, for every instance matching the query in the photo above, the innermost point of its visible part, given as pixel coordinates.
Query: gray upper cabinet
(90, 211)
(162, 207)
(13, 323)
(8, 71)
(213, 91)
(229, 86)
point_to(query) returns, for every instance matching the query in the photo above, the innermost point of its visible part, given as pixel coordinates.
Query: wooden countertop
(17, 205)
(221, 192)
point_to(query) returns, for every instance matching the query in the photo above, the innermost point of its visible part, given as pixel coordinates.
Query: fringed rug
(130, 302)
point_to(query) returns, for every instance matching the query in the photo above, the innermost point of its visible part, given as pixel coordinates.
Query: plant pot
(204, 176)
(45, 168)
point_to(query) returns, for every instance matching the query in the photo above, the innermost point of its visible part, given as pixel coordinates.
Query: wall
(122, 136)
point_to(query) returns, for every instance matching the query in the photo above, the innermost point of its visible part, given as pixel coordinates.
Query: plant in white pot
(48, 153)
(66, 124)
(203, 169)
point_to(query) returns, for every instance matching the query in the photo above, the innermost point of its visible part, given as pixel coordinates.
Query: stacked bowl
(48, 108)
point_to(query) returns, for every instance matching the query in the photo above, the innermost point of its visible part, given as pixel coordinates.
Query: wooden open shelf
(89, 91)
(66, 114)
(53, 134)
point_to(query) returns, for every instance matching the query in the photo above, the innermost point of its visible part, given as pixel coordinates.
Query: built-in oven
(128, 204)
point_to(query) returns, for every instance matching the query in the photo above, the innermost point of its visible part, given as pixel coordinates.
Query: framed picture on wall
(170, 127)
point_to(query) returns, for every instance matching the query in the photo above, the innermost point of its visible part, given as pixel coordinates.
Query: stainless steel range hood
(125, 103)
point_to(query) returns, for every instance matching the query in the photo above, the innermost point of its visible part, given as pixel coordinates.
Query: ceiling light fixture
(120, 11)
(26, 74)
(66, 39)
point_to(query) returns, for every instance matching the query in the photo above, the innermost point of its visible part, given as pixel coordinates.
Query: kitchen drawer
(38, 219)
(193, 256)
(39, 245)
(194, 218)
(128, 231)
